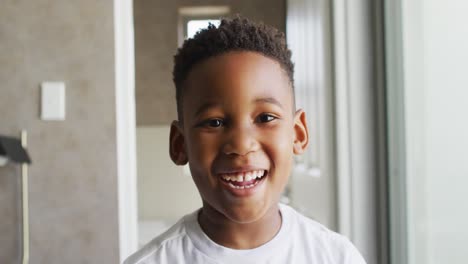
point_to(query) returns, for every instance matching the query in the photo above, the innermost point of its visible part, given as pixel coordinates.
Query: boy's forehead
(246, 77)
(235, 62)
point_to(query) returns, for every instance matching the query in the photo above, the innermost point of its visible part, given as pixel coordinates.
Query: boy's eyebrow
(204, 107)
(269, 100)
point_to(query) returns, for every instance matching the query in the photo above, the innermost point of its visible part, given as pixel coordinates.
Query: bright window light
(193, 26)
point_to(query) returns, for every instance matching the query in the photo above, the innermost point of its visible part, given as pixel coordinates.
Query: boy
(238, 129)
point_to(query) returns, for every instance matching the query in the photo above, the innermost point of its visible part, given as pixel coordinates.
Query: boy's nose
(240, 141)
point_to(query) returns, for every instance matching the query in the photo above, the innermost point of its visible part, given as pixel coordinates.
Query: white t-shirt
(300, 240)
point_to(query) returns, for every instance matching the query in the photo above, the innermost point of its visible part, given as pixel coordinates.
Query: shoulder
(173, 239)
(315, 237)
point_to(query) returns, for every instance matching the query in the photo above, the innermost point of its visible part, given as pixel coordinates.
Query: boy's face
(239, 133)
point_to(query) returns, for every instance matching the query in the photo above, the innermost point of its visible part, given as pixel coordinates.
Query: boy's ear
(301, 134)
(177, 144)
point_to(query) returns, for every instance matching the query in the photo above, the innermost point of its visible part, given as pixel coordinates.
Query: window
(193, 19)
(195, 25)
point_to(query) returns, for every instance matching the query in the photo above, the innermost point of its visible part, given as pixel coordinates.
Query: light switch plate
(53, 101)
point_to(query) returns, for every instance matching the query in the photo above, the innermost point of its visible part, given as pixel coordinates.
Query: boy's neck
(234, 235)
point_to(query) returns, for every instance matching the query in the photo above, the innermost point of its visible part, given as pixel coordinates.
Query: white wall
(166, 192)
(435, 41)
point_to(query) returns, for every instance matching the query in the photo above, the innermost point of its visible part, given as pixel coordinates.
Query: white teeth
(235, 187)
(249, 176)
(256, 174)
(241, 177)
(260, 173)
(242, 187)
(226, 177)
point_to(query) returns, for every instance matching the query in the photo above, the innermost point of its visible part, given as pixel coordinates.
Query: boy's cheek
(201, 153)
(282, 140)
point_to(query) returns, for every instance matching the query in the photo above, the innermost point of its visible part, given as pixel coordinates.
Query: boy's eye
(265, 118)
(214, 123)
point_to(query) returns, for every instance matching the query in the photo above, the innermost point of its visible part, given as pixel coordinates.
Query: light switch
(53, 101)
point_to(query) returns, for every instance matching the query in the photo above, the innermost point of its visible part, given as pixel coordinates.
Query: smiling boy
(238, 130)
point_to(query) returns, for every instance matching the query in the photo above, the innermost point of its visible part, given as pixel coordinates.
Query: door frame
(126, 127)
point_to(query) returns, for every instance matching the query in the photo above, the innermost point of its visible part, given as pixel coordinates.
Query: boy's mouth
(243, 180)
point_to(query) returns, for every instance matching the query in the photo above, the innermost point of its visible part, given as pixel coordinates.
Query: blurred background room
(87, 99)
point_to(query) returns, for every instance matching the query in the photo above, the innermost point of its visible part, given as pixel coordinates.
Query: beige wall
(156, 44)
(166, 192)
(73, 181)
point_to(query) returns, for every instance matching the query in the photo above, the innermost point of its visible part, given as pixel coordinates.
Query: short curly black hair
(236, 34)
